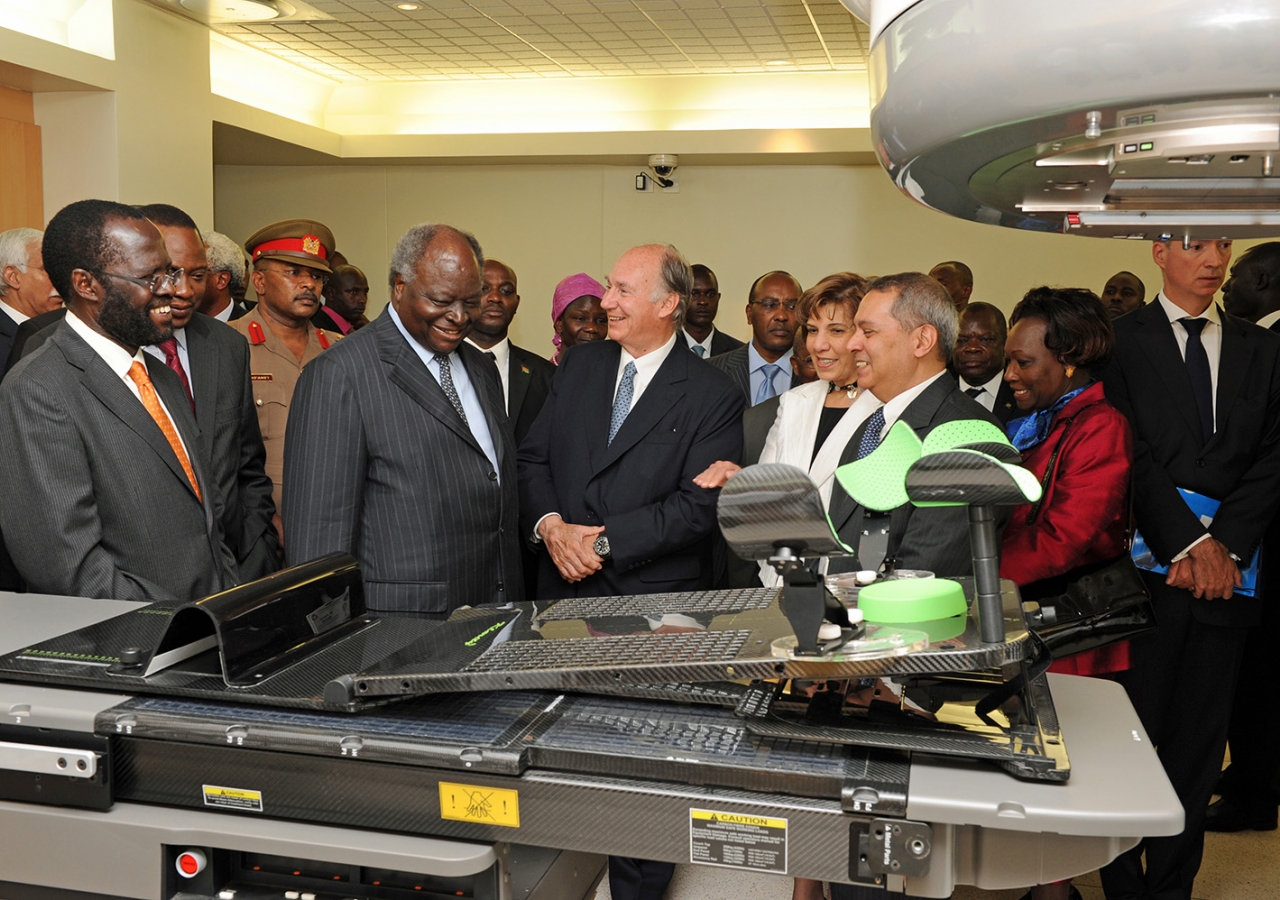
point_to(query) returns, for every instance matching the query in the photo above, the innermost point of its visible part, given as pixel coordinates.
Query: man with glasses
(700, 333)
(400, 451)
(212, 362)
(762, 368)
(290, 270)
(109, 491)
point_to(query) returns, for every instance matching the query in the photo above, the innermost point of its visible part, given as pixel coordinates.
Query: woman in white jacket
(811, 429)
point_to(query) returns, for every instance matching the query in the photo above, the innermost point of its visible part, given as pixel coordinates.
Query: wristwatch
(602, 547)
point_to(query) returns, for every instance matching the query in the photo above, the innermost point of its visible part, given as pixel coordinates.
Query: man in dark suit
(979, 359)
(212, 361)
(1201, 389)
(346, 294)
(1123, 293)
(227, 273)
(526, 377)
(700, 333)
(606, 474)
(109, 491)
(1250, 786)
(762, 368)
(905, 328)
(25, 289)
(398, 450)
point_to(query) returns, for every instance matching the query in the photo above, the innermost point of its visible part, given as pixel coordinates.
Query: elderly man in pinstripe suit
(398, 449)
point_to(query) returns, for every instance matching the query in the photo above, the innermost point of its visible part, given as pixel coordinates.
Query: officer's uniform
(273, 368)
(274, 371)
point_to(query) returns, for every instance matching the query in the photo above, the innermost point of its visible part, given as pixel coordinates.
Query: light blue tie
(700, 350)
(622, 402)
(767, 389)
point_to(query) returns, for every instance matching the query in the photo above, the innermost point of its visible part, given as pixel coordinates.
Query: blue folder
(1205, 509)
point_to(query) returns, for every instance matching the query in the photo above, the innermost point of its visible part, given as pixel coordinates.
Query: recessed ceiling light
(408, 7)
(779, 62)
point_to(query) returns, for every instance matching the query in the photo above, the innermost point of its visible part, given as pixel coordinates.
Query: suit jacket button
(1201, 463)
(500, 585)
(493, 476)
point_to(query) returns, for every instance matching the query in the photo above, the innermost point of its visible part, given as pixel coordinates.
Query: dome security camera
(663, 164)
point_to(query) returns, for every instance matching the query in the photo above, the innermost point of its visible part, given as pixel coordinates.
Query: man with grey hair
(25, 289)
(227, 269)
(904, 331)
(606, 473)
(399, 450)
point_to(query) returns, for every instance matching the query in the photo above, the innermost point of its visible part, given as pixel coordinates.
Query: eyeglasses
(772, 305)
(155, 282)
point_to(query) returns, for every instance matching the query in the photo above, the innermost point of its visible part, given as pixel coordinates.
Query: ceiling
(372, 41)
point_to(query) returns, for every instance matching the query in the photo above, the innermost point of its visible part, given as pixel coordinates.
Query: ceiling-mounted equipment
(222, 12)
(1133, 120)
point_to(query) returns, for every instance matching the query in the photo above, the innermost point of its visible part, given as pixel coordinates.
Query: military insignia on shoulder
(256, 335)
(327, 338)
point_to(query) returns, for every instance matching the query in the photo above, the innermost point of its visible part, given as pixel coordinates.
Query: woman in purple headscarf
(576, 313)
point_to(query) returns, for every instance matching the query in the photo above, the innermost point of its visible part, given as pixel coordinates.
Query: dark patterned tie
(1198, 370)
(974, 392)
(622, 402)
(172, 360)
(493, 357)
(446, 384)
(871, 437)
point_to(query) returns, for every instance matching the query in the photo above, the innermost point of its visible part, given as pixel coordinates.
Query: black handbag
(1089, 606)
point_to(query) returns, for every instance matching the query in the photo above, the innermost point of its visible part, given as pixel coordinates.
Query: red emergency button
(191, 863)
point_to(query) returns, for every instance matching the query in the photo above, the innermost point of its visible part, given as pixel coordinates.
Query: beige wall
(548, 222)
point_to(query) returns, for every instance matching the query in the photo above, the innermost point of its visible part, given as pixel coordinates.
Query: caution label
(232, 798)
(758, 843)
(482, 805)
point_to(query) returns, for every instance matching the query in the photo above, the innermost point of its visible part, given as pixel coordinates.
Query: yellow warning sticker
(738, 841)
(483, 805)
(232, 798)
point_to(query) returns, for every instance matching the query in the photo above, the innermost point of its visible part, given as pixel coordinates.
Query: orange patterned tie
(138, 372)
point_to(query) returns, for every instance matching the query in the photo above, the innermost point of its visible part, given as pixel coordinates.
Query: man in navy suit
(979, 359)
(700, 332)
(1201, 389)
(606, 474)
(25, 289)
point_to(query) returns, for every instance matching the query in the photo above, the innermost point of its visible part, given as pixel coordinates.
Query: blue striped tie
(622, 402)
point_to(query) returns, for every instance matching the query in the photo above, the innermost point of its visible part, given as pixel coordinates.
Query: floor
(1243, 866)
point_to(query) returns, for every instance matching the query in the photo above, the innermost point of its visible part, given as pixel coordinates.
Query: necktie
(767, 389)
(700, 350)
(974, 392)
(138, 372)
(173, 361)
(1198, 369)
(622, 402)
(871, 437)
(493, 357)
(446, 384)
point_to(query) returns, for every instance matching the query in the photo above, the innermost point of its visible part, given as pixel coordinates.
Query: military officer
(290, 268)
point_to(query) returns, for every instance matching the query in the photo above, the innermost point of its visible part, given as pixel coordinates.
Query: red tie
(170, 348)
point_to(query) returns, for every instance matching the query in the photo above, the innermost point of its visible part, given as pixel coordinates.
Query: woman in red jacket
(1058, 337)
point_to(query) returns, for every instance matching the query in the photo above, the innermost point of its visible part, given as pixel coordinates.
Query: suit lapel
(488, 387)
(1235, 355)
(659, 397)
(517, 383)
(598, 408)
(409, 373)
(110, 391)
(1161, 348)
(205, 360)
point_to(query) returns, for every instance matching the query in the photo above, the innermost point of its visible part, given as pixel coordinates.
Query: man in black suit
(109, 491)
(1201, 389)
(606, 474)
(212, 361)
(25, 289)
(226, 279)
(700, 333)
(1123, 293)
(979, 359)
(1250, 787)
(346, 295)
(762, 368)
(905, 329)
(398, 450)
(526, 377)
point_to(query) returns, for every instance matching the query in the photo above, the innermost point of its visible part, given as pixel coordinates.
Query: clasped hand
(1208, 571)
(572, 547)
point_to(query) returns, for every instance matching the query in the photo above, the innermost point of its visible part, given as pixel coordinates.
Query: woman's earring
(1071, 371)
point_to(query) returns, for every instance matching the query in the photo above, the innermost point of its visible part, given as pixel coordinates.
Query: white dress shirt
(502, 358)
(21, 317)
(119, 361)
(1210, 338)
(705, 345)
(646, 367)
(989, 390)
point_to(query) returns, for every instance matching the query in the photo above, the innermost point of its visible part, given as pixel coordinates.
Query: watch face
(602, 546)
